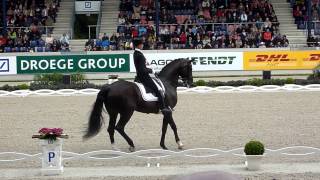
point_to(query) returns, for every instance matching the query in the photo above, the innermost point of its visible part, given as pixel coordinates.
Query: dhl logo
(312, 57)
(271, 58)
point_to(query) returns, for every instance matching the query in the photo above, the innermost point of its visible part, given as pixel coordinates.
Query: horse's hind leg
(124, 119)
(112, 124)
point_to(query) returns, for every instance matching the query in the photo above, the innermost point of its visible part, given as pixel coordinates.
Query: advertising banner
(203, 61)
(73, 63)
(8, 65)
(281, 60)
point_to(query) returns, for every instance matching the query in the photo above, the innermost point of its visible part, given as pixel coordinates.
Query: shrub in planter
(14, 88)
(200, 83)
(255, 82)
(77, 78)
(37, 86)
(23, 86)
(289, 81)
(6, 87)
(235, 83)
(254, 151)
(254, 148)
(54, 78)
(215, 83)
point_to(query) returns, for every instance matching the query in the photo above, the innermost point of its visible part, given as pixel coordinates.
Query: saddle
(147, 94)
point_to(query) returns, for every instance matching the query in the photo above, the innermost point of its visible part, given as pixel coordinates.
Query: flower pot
(253, 162)
(51, 157)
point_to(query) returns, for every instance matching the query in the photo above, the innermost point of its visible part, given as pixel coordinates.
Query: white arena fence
(198, 89)
(152, 155)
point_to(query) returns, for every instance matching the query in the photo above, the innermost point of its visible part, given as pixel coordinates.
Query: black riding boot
(163, 108)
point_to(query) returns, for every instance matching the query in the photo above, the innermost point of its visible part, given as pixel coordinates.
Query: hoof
(163, 147)
(132, 149)
(114, 147)
(180, 145)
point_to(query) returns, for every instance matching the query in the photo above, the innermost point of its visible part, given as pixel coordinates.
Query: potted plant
(254, 151)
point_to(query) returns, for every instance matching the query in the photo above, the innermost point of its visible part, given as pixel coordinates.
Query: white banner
(203, 61)
(87, 6)
(8, 65)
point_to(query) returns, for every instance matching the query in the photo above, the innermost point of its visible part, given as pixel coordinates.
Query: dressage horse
(123, 97)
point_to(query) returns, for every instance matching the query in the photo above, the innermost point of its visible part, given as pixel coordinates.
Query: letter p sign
(51, 155)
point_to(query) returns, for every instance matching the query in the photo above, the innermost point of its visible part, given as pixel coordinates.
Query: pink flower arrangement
(50, 133)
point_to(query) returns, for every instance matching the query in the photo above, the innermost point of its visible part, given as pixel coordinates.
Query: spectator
(56, 46)
(104, 37)
(113, 41)
(262, 45)
(12, 34)
(267, 36)
(3, 42)
(64, 39)
(89, 45)
(49, 40)
(243, 17)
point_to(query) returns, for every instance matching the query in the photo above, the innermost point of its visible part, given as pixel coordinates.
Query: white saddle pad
(149, 96)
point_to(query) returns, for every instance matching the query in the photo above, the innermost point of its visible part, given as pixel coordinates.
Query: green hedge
(257, 82)
(78, 82)
(57, 78)
(14, 88)
(54, 81)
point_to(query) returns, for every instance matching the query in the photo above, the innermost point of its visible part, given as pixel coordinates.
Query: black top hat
(137, 42)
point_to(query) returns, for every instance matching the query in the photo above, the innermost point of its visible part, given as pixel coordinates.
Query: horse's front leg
(164, 131)
(174, 128)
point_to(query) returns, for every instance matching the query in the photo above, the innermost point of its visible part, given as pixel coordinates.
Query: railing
(98, 22)
(43, 30)
(198, 89)
(154, 155)
(73, 21)
(187, 24)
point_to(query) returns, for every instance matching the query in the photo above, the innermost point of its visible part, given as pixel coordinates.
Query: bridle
(186, 80)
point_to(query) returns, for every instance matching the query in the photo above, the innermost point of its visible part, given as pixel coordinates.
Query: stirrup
(171, 109)
(166, 111)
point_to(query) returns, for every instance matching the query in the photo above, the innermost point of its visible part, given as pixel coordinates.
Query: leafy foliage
(254, 148)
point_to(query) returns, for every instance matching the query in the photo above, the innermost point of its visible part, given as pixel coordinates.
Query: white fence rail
(156, 154)
(198, 89)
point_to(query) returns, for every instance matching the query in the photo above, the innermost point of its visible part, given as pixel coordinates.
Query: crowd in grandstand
(195, 24)
(300, 15)
(25, 26)
(184, 24)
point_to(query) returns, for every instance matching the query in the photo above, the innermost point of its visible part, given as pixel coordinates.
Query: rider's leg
(163, 107)
(149, 83)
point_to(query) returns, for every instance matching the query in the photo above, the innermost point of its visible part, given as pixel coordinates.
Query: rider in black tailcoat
(143, 74)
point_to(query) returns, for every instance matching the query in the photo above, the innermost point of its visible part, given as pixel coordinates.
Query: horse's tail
(96, 119)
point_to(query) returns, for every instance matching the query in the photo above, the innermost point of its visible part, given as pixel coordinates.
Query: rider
(143, 74)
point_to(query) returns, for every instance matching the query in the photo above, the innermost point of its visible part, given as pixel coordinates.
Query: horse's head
(185, 71)
(179, 68)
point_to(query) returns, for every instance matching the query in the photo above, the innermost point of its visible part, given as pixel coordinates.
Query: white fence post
(51, 157)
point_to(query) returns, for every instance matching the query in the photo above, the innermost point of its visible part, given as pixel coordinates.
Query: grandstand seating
(198, 24)
(299, 12)
(25, 24)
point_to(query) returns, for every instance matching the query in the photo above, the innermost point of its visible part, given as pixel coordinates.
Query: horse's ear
(191, 61)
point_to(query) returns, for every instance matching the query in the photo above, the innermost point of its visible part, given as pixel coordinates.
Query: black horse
(123, 97)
